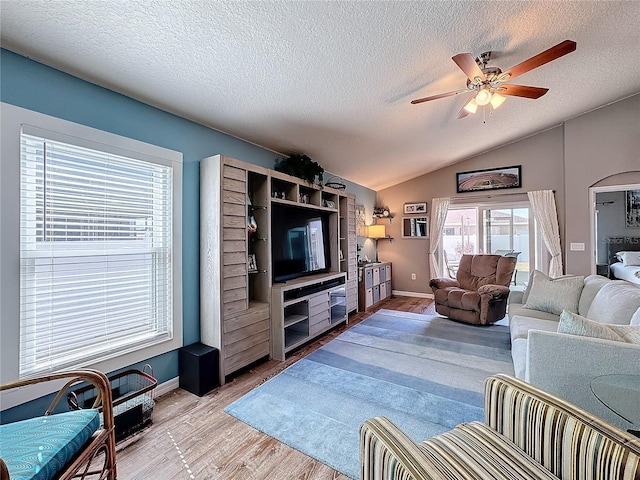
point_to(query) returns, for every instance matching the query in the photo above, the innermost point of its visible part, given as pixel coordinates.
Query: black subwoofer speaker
(198, 368)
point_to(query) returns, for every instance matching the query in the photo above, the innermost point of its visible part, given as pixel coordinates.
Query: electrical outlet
(413, 276)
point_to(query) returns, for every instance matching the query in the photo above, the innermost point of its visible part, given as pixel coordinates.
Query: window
(95, 254)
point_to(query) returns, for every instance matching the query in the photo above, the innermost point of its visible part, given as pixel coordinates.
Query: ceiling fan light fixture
(497, 100)
(471, 106)
(483, 97)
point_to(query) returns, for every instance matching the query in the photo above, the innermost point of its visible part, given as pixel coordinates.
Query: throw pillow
(575, 324)
(629, 259)
(553, 295)
(616, 302)
(592, 285)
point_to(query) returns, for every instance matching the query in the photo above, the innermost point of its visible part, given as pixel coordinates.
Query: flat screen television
(300, 242)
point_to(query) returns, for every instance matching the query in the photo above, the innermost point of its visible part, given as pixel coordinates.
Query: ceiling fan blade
(441, 95)
(547, 56)
(522, 91)
(468, 65)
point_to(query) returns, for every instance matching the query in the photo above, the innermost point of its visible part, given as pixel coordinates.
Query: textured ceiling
(334, 79)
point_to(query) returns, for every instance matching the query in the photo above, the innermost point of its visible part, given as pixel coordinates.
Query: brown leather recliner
(479, 293)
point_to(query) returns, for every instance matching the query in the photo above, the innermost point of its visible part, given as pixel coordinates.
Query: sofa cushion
(616, 303)
(480, 452)
(553, 295)
(519, 357)
(38, 448)
(517, 309)
(575, 324)
(519, 326)
(592, 285)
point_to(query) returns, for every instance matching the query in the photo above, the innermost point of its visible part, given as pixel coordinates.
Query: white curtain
(543, 205)
(439, 208)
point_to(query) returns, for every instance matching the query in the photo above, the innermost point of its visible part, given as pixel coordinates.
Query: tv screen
(300, 242)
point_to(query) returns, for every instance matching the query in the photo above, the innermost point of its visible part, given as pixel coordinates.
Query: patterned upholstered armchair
(76, 444)
(527, 434)
(480, 291)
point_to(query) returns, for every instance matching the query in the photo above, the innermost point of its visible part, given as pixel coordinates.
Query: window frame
(13, 119)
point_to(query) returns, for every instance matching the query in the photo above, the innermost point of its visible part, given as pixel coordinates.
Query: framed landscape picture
(632, 208)
(489, 179)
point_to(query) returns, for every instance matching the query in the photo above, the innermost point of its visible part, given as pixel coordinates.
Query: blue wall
(34, 86)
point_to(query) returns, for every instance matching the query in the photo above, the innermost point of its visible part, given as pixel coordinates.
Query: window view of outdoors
(503, 231)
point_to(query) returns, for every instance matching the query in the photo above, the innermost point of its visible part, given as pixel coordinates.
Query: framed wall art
(415, 207)
(415, 227)
(489, 179)
(632, 208)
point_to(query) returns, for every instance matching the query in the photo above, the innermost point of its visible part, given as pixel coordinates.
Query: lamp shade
(376, 231)
(483, 97)
(497, 100)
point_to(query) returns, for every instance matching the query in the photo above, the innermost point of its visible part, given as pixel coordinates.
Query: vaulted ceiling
(335, 79)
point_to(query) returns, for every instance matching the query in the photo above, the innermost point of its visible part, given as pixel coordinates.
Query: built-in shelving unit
(239, 314)
(375, 284)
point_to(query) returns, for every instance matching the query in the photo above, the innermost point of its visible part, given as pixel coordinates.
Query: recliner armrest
(443, 283)
(495, 291)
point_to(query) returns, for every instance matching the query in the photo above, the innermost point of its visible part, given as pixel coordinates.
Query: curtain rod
(491, 195)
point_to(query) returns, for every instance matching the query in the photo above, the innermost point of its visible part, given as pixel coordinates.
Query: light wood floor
(192, 438)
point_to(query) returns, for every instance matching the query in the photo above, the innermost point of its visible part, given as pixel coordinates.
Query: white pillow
(629, 259)
(575, 324)
(553, 295)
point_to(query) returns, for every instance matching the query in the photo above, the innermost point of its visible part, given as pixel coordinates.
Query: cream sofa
(527, 434)
(564, 364)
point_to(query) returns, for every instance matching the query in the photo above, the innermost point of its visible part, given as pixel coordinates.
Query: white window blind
(95, 254)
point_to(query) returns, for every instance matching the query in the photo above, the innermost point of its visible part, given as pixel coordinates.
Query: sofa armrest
(564, 365)
(555, 433)
(386, 453)
(516, 296)
(436, 283)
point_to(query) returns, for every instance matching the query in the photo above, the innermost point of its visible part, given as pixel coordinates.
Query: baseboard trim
(402, 293)
(167, 386)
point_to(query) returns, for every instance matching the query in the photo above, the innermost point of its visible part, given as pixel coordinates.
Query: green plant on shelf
(301, 166)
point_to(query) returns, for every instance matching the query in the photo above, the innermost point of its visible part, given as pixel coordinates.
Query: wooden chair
(96, 459)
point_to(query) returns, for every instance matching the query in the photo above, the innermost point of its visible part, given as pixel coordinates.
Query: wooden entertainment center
(243, 313)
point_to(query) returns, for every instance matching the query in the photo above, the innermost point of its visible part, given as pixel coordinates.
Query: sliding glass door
(506, 229)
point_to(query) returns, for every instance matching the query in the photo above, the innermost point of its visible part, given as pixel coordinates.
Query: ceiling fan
(488, 82)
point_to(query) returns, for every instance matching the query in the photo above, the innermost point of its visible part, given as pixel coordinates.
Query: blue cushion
(38, 448)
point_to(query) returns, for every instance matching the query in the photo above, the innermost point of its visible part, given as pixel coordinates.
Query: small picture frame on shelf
(252, 266)
(415, 207)
(330, 204)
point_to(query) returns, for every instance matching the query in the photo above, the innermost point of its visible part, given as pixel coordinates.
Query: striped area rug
(424, 372)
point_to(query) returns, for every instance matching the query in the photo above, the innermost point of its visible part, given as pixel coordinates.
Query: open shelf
(293, 319)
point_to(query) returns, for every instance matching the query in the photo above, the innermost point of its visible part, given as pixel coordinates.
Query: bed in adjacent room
(624, 258)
